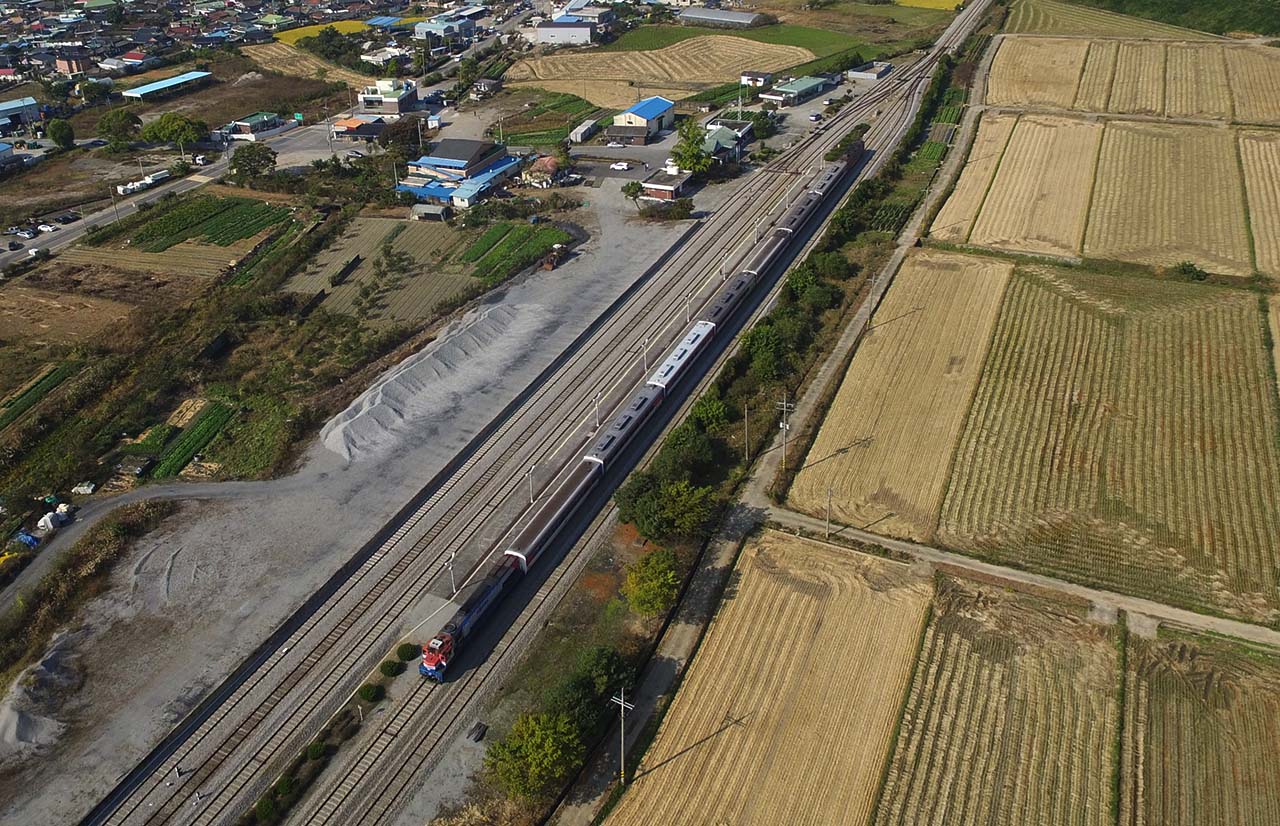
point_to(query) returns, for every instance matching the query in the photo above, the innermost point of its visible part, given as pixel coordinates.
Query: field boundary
(1238, 136)
(1093, 189)
(986, 193)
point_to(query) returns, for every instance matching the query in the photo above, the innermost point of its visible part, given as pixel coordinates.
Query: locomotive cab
(436, 655)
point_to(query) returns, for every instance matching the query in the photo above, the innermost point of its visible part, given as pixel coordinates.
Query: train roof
(683, 352)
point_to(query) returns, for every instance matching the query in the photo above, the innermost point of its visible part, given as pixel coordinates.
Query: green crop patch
(194, 437)
(29, 398)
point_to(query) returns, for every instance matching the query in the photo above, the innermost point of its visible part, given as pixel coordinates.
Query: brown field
(1011, 718)
(955, 220)
(1201, 742)
(187, 258)
(1175, 79)
(1065, 18)
(285, 59)
(1040, 195)
(611, 94)
(1260, 157)
(1036, 71)
(687, 65)
(1125, 434)
(42, 315)
(434, 279)
(788, 708)
(1152, 203)
(885, 448)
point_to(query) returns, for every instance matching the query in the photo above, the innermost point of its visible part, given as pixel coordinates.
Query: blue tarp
(167, 83)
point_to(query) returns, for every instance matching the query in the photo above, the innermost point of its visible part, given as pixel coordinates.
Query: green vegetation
(24, 401)
(391, 668)
(549, 122)
(485, 242)
(265, 255)
(1217, 16)
(372, 692)
(221, 221)
(653, 583)
(522, 246)
(819, 41)
(407, 651)
(194, 437)
(931, 151)
(154, 442)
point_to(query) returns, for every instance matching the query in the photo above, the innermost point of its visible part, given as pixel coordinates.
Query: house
(134, 58)
(757, 80)
(665, 184)
(384, 57)
(603, 16)
(256, 127)
(484, 87)
(565, 30)
(16, 113)
(445, 26)
(642, 121)
(727, 138)
(389, 97)
(458, 172)
(367, 128)
(874, 70)
(73, 62)
(797, 91)
(719, 17)
(176, 85)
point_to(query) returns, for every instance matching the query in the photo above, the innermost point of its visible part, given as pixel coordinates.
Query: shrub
(652, 583)
(266, 810)
(536, 757)
(315, 751)
(284, 786)
(372, 692)
(408, 651)
(391, 668)
(1187, 269)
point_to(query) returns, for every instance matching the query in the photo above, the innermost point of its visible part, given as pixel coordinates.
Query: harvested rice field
(1172, 79)
(1201, 742)
(681, 69)
(955, 220)
(288, 60)
(1060, 17)
(885, 448)
(28, 313)
(772, 727)
(1011, 718)
(1124, 434)
(1260, 160)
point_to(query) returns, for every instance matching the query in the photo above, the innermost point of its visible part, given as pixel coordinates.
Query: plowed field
(688, 65)
(1011, 716)
(788, 709)
(1124, 433)
(885, 448)
(1201, 736)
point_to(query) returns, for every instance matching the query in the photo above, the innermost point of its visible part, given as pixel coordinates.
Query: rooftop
(458, 152)
(10, 106)
(732, 18)
(650, 108)
(801, 86)
(167, 83)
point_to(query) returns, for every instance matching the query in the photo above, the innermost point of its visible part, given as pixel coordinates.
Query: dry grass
(1167, 194)
(1040, 195)
(1196, 84)
(1260, 158)
(1058, 17)
(1202, 734)
(43, 315)
(1125, 434)
(1138, 87)
(688, 65)
(955, 220)
(287, 60)
(1036, 71)
(1011, 716)
(1255, 82)
(885, 447)
(1093, 92)
(788, 709)
(188, 257)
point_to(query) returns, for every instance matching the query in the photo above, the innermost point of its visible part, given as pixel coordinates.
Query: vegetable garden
(195, 436)
(16, 405)
(220, 221)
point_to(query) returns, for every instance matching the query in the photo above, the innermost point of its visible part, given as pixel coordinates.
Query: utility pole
(620, 699)
(644, 353)
(453, 588)
(597, 406)
(114, 205)
(688, 307)
(530, 474)
(786, 409)
(828, 531)
(746, 436)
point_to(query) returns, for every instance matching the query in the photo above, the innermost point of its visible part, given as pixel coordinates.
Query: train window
(639, 403)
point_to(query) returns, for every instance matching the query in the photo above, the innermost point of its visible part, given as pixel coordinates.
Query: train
(522, 552)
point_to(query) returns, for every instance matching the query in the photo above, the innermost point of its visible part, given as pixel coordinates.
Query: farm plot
(1124, 434)
(684, 68)
(1037, 71)
(788, 709)
(1138, 87)
(43, 315)
(1058, 17)
(287, 60)
(15, 405)
(405, 287)
(885, 447)
(187, 257)
(1202, 734)
(1040, 195)
(1196, 84)
(955, 220)
(1011, 717)
(1260, 159)
(1093, 92)
(1255, 83)
(1151, 204)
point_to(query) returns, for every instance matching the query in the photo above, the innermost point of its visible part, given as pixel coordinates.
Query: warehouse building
(16, 113)
(177, 85)
(450, 24)
(870, 71)
(565, 30)
(719, 17)
(643, 121)
(797, 91)
(459, 172)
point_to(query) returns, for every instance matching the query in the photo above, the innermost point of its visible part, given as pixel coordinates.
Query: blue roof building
(458, 172)
(643, 121)
(168, 86)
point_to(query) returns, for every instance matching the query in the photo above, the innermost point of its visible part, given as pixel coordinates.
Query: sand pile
(25, 722)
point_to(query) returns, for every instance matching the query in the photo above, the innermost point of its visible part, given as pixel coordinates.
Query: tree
(709, 411)
(253, 160)
(94, 93)
(176, 128)
(633, 190)
(61, 133)
(118, 126)
(605, 668)
(687, 509)
(686, 452)
(661, 510)
(536, 757)
(652, 583)
(688, 152)
(765, 348)
(1187, 269)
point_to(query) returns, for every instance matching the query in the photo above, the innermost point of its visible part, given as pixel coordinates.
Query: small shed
(430, 212)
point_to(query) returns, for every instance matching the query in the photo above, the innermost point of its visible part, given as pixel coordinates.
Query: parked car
(34, 251)
(26, 233)
(68, 218)
(48, 227)
(620, 166)
(12, 230)
(828, 101)
(14, 245)
(354, 153)
(815, 117)
(614, 144)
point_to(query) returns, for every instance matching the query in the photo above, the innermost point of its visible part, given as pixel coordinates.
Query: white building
(565, 30)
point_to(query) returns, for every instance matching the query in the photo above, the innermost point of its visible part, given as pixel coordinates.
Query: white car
(25, 233)
(620, 166)
(34, 251)
(48, 227)
(815, 117)
(828, 101)
(614, 145)
(354, 153)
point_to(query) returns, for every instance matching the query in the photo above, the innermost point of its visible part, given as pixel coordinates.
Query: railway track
(292, 693)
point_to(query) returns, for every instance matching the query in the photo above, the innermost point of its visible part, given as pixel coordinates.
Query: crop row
(193, 439)
(15, 407)
(891, 217)
(485, 242)
(266, 255)
(931, 151)
(155, 441)
(242, 221)
(949, 114)
(507, 259)
(180, 222)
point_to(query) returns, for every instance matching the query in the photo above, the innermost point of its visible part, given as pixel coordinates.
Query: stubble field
(955, 220)
(1124, 434)
(1173, 79)
(611, 78)
(788, 708)
(1201, 740)
(1058, 17)
(287, 60)
(885, 449)
(1011, 716)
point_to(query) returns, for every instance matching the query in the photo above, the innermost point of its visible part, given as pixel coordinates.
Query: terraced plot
(1011, 717)
(1255, 83)
(1201, 735)
(1125, 434)
(1138, 85)
(774, 725)
(885, 448)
